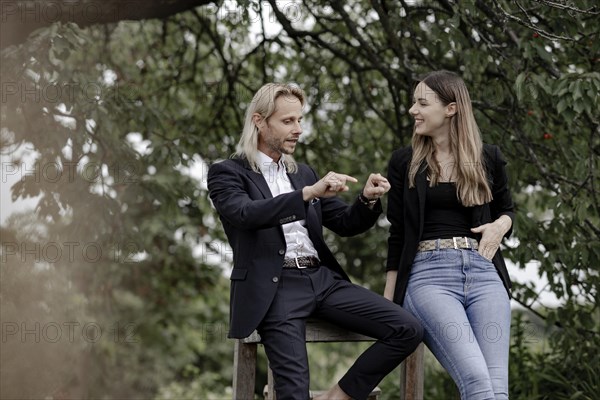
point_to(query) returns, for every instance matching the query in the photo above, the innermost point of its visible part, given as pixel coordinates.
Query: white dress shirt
(296, 235)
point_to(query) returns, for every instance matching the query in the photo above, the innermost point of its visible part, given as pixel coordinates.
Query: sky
(11, 174)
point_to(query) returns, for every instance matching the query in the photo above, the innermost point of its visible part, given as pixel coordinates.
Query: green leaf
(545, 55)
(519, 86)
(577, 90)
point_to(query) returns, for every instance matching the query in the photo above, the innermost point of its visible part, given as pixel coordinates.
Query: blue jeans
(458, 297)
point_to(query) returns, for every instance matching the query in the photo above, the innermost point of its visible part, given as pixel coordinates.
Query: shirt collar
(266, 164)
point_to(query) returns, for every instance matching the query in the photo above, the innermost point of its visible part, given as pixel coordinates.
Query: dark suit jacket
(406, 208)
(252, 220)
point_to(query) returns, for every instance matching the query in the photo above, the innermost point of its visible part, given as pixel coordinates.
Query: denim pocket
(423, 256)
(478, 256)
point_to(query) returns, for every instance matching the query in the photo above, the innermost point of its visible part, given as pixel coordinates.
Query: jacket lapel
(296, 180)
(312, 220)
(421, 184)
(257, 178)
(260, 181)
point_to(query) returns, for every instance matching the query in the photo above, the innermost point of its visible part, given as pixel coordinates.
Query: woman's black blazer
(406, 209)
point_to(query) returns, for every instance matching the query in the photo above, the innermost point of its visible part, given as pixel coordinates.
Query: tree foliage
(125, 117)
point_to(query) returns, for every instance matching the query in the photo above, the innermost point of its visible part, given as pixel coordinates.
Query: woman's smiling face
(430, 114)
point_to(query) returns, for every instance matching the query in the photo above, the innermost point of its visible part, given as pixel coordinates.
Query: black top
(445, 216)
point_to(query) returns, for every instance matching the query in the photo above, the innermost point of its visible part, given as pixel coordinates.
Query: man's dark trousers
(322, 293)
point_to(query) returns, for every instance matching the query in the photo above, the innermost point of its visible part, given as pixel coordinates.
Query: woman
(449, 207)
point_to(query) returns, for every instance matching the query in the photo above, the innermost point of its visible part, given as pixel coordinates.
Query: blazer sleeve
(395, 210)
(502, 203)
(229, 192)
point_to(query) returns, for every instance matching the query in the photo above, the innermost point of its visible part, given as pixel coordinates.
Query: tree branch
(21, 18)
(531, 26)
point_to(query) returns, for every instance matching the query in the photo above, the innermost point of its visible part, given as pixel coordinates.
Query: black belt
(301, 262)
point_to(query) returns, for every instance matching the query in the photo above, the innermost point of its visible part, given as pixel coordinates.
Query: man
(273, 211)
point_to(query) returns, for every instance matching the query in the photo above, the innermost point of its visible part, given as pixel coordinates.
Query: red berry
(548, 136)
(530, 113)
(536, 35)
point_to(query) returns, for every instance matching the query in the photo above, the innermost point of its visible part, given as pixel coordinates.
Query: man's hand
(376, 186)
(329, 186)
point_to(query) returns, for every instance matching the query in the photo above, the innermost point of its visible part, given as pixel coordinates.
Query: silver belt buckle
(468, 243)
(454, 241)
(298, 264)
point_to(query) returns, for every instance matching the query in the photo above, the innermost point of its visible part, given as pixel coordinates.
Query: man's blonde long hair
(465, 142)
(263, 103)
